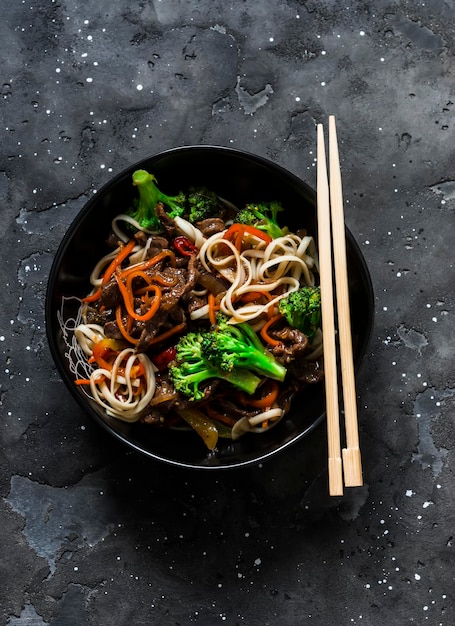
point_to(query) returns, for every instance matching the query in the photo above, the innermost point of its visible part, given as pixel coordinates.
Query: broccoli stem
(148, 199)
(149, 196)
(242, 379)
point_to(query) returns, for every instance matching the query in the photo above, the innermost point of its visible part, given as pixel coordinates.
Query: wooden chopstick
(335, 469)
(352, 464)
(331, 231)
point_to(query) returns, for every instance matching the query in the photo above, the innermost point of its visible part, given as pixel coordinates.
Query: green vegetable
(149, 196)
(302, 309)
(202, 204)
(233, 353)
(262, 216)
(237, 346)
(192, 368)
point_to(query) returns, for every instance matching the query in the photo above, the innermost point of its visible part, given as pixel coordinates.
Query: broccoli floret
(202, 204)
(302, 309)
(149, 196)
(192, 368)
(262, 216)
(234, 346)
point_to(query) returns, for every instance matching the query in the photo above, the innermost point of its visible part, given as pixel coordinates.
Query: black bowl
(238, 177)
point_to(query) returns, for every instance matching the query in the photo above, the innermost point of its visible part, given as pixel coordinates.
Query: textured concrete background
(91, 534)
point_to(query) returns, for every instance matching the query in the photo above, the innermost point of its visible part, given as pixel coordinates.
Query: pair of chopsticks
(332, 247)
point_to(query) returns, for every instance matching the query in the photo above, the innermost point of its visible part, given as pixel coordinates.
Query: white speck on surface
(139, 87)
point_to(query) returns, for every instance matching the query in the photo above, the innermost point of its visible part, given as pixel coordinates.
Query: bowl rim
(50, 310)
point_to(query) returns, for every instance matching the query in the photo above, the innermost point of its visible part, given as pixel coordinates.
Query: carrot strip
(125, 250)
(118, 260)
(265, 331)
(213, 308)
(237, 231)
(122, 329)
(86, 381)
(172, 331)
(155, 302)
(267, 400)
(150, 262)
(128, 298)
(156, 278)
(251, 296)
(93, 297)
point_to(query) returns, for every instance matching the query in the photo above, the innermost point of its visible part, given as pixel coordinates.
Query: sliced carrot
(154, 303)
(93, 297)
(213, 308)
(172, 331)
(251, 296)
(116, 262)
(86, 381)
(237, 231)
(122, 329)
(265, 330)
(128, 298)
(150, 262)
(267, 400)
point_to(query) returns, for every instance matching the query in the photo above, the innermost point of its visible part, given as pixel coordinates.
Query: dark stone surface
(92, 534)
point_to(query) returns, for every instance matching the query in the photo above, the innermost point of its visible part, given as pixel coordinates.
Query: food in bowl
(238, 177)
(202, 314)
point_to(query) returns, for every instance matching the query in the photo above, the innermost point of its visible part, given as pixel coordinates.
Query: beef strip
(112, 331)
(211, 282)
(210, 226)
(110, 294)
(141, 237)
(157, 245)
(292, 344)
(193, 303)
(157, 325)
(166, 221)
(169, 313)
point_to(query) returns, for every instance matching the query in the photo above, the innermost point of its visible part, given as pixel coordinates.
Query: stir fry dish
(203, 315)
